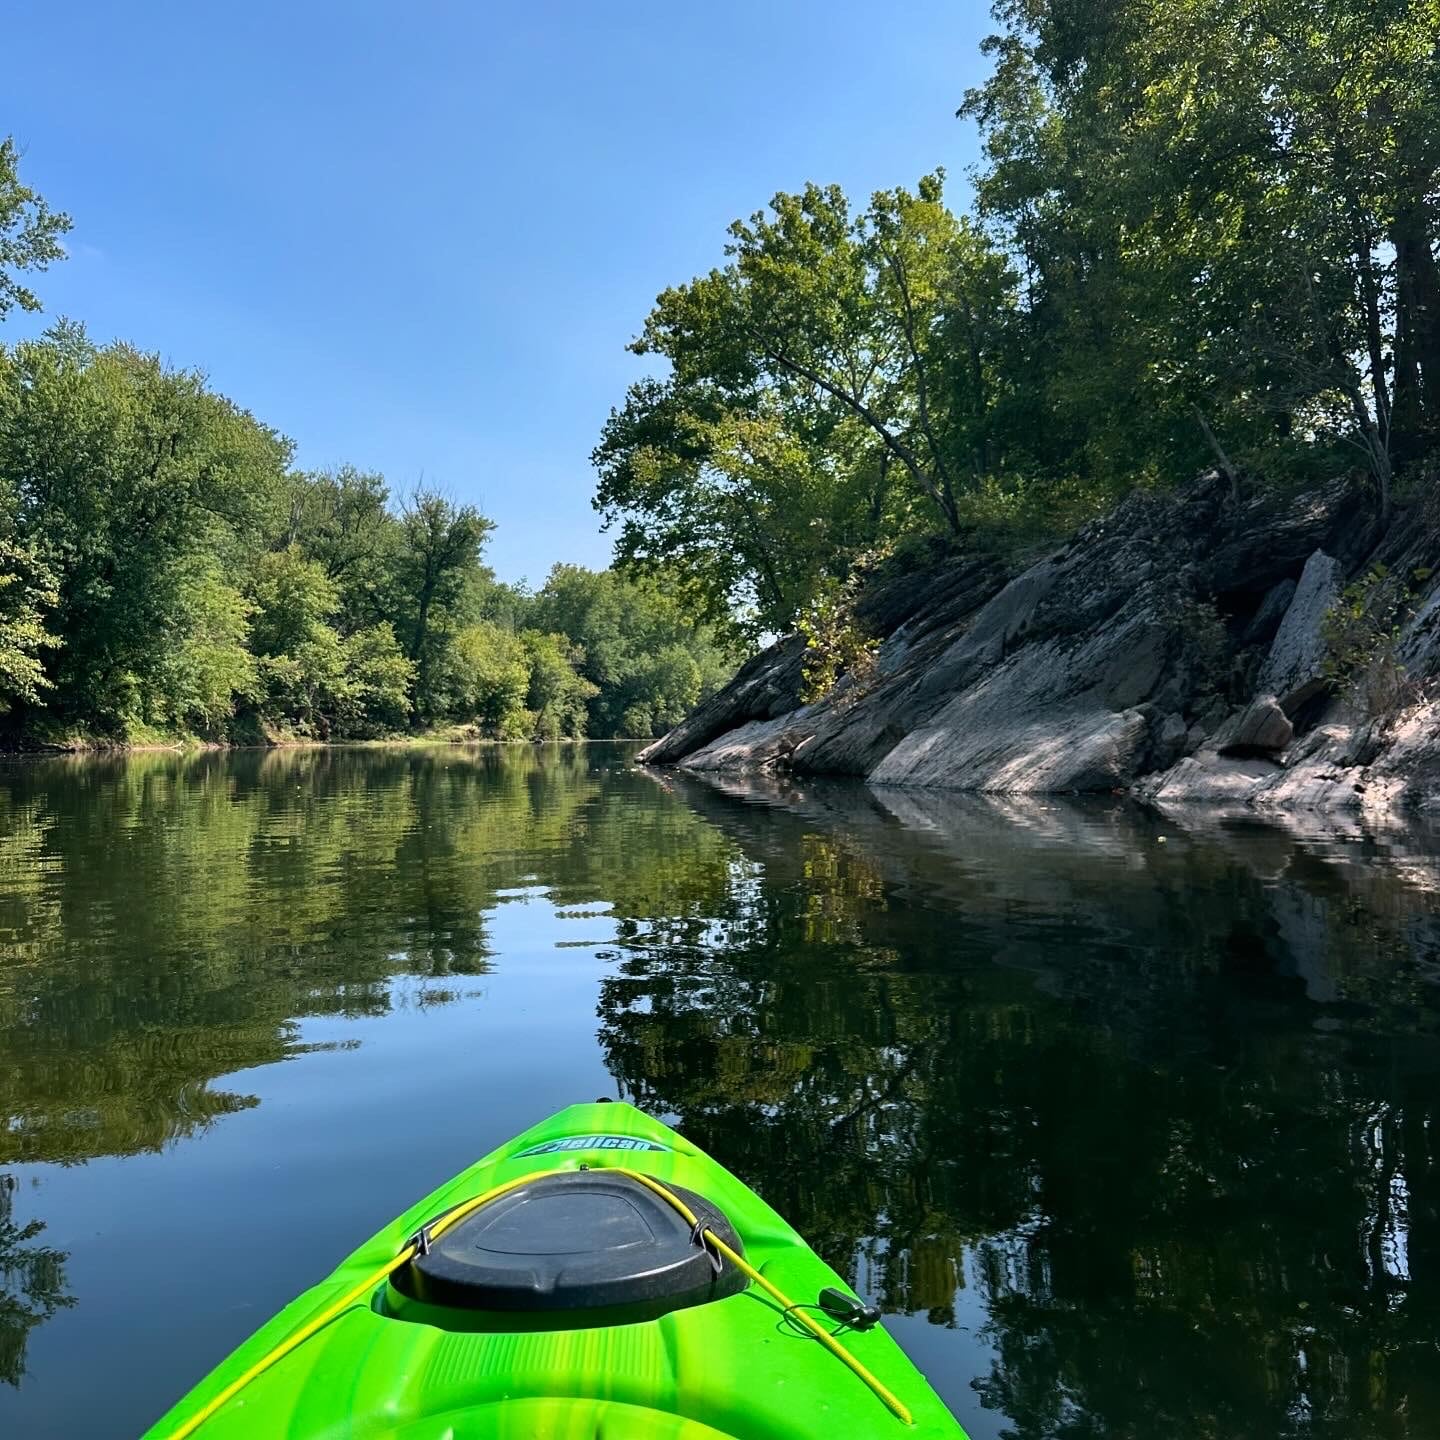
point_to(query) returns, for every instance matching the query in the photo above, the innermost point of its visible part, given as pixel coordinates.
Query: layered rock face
(1174, 649)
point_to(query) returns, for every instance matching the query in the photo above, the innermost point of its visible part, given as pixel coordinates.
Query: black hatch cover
(590, 1240)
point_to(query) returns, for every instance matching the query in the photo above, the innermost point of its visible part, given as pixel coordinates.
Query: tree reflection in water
(1035, 1047)
(32, 1283)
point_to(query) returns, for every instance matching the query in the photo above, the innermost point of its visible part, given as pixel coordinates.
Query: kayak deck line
(496, 1266)
(791, 1307)
(423, 1238)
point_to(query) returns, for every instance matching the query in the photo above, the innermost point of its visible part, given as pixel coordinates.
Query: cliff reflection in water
(1168, 1097)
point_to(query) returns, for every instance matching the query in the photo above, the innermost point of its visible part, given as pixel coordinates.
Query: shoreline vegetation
(1126, 476)
(1204, 239)
(169, 576)
(458, 737)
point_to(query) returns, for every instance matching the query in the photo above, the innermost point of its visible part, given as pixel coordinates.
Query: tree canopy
(835, 383)
(30, 232)
(1204, 233)
(165, 570)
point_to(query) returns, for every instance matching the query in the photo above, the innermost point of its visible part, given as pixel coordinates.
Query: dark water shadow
(1162, 1096)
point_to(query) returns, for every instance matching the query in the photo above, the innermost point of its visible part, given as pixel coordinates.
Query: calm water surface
(1131, 1127)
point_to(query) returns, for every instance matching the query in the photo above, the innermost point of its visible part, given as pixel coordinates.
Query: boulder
(1209, 779)
(766, 686)
(1030, 724)
(757, 745)
(1081, 750)
(1171, 739)
(1262, 725)
(997, 624)
(1294, 669)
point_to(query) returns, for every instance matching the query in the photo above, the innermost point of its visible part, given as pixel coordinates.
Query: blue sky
(417, 237)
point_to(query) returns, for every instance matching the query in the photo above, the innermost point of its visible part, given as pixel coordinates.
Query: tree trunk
(1377, 451)
(1417, 332)
(1374, 335)
(1226, 468)
(1426, 283)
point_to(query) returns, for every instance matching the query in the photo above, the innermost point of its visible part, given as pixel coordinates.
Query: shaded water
(1130, 1127)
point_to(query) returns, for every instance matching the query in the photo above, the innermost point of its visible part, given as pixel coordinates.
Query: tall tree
(340, 519)
(27, 592)
(437, 552)
(838, 380)
(127, 480)
(558, 693)
(648, 661)
(1225, 213)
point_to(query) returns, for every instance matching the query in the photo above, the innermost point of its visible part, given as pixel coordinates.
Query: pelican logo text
(592, 1142)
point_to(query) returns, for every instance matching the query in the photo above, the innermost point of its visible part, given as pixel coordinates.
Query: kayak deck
(734, 1368)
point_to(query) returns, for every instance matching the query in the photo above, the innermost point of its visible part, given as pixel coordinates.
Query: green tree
(489, 680)
(558, 694)
(1225, 214)
(341, 520)
(436, 559)
(27, 592)
(205, 664)
(378, 678)
(647, 659)
(29, 232)
(840, 380)
(325, 683)
(302, 657)
(126, 480)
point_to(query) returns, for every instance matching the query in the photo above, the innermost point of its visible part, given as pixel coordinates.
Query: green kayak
(597, 1278)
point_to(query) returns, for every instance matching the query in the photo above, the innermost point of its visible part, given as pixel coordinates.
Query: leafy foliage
(32, 1283)
(163, 570)
(836, 382)
(647, 661)
(1361, 631)
(27, 592)
(1223, 207)
(558, 694)
(29, 232)
(836, 644)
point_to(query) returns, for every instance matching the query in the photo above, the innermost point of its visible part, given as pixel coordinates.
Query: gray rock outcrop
(1293, 671)
(1174, 649)
(765, 687)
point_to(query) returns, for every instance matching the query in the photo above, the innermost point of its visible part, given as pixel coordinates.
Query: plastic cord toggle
(698, 1237)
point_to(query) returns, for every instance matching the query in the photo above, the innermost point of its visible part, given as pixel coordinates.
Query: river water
(1130, 1125)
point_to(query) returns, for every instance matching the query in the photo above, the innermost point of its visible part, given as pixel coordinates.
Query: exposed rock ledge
(1103, 667)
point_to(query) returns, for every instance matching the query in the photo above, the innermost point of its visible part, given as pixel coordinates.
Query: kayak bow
(597, 1278)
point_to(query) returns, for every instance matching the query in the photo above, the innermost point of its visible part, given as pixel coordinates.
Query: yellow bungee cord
(887, 1397)
(442, 1223)
(298, 1337)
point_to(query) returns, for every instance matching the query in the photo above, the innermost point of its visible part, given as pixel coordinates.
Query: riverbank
(192, 744)
(1271, 650)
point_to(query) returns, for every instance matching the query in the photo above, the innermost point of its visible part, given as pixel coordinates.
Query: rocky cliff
(1174, 649)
